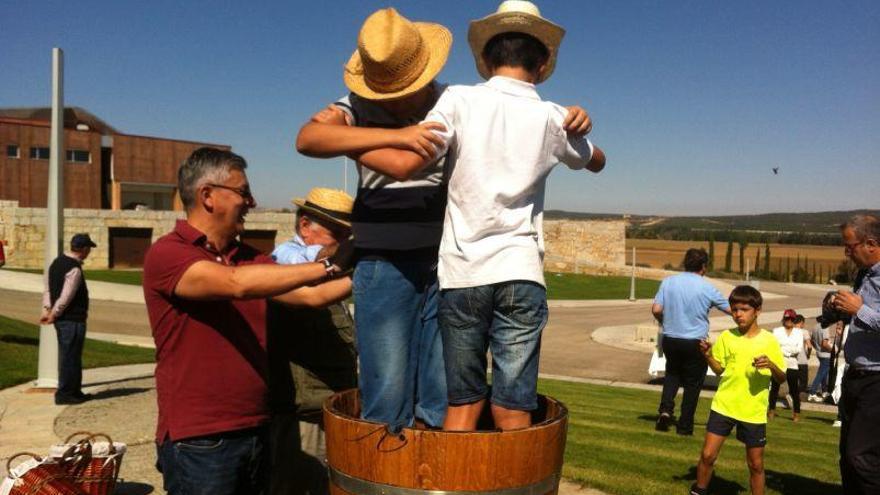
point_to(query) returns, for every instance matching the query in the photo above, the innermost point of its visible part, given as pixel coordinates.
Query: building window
(40, 153)
(79, 156)
(12, 151)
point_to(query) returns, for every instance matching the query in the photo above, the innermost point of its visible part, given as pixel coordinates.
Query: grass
(612, 446)
(128, 277)
(559, 286)
(19, 348)
(575, 286)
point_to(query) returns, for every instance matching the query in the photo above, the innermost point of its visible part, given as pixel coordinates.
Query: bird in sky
(775, 170)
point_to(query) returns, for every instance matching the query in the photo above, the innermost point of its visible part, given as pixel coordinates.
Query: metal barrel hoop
(361, 486)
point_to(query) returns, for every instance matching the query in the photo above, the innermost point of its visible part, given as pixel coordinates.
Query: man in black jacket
(66, 305)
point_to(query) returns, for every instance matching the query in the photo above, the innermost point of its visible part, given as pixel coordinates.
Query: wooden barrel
(366, 459)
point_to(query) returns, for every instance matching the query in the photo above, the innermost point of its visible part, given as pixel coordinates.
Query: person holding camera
(860, 435)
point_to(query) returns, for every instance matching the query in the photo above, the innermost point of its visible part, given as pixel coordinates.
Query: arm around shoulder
(207, 280)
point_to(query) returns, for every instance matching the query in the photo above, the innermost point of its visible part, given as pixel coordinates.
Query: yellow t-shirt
(744, 390)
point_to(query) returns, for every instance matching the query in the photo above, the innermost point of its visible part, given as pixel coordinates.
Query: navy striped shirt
(390, 216)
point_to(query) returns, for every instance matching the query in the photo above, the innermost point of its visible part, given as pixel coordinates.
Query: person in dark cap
(66, 305)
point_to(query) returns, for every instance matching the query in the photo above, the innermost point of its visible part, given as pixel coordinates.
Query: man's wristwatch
(330, 269)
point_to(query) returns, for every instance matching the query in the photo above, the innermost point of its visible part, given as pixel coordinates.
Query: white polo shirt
(505, 141)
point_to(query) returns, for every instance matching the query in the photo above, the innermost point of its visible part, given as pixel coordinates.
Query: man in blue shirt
(682, 307)
(311, 347)
(860, 434)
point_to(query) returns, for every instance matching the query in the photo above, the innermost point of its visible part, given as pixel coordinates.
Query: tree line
(670, 233)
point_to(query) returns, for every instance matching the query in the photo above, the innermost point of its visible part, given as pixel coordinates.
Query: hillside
(787, 228)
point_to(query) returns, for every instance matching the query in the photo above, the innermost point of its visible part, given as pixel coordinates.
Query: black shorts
(751, 434)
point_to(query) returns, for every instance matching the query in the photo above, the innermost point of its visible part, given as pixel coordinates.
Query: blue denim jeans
(506, 318)
(71, 338)
(233, 463)
(821, 375)
(399, 347)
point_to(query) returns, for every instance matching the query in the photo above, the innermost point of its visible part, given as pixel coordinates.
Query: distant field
(657, 253)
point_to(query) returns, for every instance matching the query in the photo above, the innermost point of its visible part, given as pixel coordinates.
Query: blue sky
(693, 101)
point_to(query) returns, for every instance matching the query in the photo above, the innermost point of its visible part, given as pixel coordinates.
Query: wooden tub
(366, 459)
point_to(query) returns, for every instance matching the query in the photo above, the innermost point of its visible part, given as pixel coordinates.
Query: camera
(830, 315)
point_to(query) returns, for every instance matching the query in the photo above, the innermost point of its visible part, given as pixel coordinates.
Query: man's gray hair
(205, 165)
(864, 226)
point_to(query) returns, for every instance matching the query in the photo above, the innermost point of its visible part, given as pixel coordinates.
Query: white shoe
(837, 423)
(814, 398)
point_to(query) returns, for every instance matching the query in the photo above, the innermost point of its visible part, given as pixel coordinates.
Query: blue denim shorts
(505, 318)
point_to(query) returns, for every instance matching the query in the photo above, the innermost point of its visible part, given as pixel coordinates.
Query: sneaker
(813, 398)
(697, 491)
(684, 433)
(836, 423)
(663, 422)
(788, 402)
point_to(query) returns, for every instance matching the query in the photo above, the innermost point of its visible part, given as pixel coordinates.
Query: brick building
(103, 169)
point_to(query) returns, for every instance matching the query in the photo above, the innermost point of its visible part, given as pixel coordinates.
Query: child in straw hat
(397, 225)
(504, 141)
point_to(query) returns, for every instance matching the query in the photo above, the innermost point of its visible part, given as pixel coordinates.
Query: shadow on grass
(785, 483)
(826, 421)
(18, 339)
(133, 488)
(718, 485)
(793, 483)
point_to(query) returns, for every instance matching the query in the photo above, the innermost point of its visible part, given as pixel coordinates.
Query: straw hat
(515, 16)
(329, 204)
(395, 57)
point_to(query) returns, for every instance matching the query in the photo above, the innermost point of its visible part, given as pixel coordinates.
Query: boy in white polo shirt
(501, 141)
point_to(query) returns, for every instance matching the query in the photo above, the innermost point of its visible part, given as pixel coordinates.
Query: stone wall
(24, 230)
(583, 246)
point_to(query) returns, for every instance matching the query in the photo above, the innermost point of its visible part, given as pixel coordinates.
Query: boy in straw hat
(397, 225)
(504, 140)
(318, 358)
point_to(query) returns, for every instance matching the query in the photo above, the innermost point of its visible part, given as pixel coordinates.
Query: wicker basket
(37, 476)
(93, 465)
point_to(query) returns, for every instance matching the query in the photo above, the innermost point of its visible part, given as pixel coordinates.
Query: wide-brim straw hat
(328, 204)
(396, 57)
(515, 16)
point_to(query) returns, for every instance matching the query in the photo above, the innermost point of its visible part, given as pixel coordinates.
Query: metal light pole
(632, 282)
(47, 370)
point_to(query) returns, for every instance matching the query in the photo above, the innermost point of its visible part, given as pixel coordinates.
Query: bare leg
(510, 419)
(463, 417)
(711, 447)
(755, 459)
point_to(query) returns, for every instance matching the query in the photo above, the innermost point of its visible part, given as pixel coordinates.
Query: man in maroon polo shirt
(206, 298)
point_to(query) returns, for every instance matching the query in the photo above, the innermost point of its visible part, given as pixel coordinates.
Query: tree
(757, 260)
(743, 244)
(728, 258)
(712, 251)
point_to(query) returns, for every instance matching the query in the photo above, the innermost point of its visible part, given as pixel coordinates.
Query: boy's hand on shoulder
(420, 138)
(577, 122)
(332, 115)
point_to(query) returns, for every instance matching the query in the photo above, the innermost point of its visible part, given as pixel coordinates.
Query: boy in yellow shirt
(746, 358)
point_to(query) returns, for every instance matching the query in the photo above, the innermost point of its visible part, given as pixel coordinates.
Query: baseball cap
(789, 314)
(81, 241)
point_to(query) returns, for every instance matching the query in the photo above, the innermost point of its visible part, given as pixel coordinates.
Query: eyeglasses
(244, 192)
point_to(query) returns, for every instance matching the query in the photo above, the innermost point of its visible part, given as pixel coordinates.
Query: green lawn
(19, 347)
(129, 277)
(574, 286)
(612, 446)
(559, 285)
